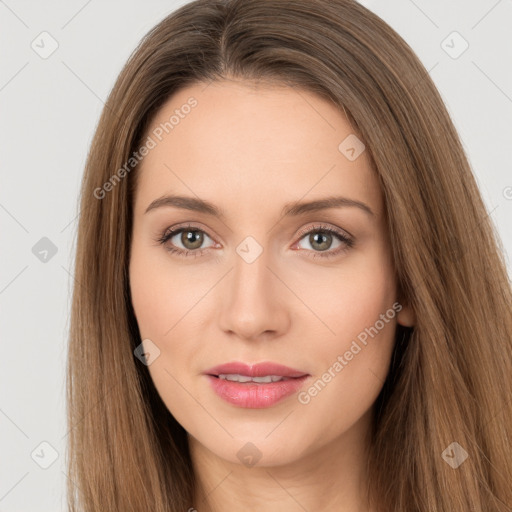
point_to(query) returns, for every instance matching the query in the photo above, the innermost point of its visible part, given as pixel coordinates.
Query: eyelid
(319, 226)
(186, 225)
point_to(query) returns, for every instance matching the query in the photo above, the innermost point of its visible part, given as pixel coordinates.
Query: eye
(320, 239)
(190, 237)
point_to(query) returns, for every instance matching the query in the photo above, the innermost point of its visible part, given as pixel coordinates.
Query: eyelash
(170, 233)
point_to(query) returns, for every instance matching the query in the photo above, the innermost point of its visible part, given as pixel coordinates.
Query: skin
(249, 148)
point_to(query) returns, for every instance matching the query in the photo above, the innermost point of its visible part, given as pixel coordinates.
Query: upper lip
(255, 370)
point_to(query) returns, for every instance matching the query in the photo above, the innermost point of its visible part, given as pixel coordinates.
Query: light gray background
(49, 110)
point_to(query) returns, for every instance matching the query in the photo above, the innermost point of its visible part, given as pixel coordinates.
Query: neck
(331, 477)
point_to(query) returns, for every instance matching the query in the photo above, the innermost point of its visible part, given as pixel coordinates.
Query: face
(240, 271)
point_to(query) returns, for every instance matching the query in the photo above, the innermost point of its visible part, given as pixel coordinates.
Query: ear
(406, 316)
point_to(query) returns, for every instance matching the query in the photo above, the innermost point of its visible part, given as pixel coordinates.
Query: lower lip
(252, 395)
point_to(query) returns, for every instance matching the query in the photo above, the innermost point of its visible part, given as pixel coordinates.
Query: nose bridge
(251, 275)
(249, 305)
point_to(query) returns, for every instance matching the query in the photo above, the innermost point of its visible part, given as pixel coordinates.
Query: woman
(290, 294)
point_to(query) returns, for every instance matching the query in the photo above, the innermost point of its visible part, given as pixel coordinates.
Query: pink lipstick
(255, 386)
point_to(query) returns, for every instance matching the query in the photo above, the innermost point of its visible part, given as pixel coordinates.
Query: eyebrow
(290, 209)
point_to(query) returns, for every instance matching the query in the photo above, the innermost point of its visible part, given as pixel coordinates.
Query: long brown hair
(451, 376)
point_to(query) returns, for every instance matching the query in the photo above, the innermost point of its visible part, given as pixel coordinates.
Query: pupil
(324, 236)
(188, 237)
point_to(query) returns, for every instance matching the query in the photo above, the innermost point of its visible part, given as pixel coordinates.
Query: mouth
(255, 386)
(267, 379)
(243, 372)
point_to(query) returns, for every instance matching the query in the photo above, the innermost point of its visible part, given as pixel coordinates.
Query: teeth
(234, 377)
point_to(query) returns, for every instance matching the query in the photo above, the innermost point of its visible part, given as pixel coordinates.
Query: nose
(253, 301)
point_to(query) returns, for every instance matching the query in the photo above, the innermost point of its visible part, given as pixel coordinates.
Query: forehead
(259, 143)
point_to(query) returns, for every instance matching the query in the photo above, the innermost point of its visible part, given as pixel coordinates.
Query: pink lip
(255, 395)
(255, 370)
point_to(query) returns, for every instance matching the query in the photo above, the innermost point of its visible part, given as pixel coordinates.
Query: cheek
(163, 298)
(169, 303)
(163, 301)
(353, 359)
(353, 297)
